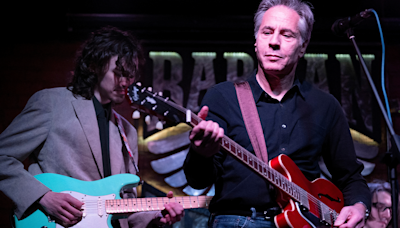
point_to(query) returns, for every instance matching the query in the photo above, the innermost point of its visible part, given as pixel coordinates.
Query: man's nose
(275, 41)
(124, 81)
(386, 214)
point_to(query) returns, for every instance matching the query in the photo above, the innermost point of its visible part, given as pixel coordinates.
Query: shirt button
(283, 149)
(283, 126)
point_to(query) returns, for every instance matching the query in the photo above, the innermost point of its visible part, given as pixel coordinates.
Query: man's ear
(255, 46)
(303, 48)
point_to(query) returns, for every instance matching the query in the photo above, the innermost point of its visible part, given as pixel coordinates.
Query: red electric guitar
(304, 203)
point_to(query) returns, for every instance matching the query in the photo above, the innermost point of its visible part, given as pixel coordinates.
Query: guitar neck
(131, 205)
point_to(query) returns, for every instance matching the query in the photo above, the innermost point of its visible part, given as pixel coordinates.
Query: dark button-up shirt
(305, 125)
(103, 116)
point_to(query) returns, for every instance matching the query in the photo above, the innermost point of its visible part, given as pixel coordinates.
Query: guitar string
(138, 203)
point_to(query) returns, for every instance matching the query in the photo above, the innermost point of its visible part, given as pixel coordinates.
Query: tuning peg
(147, 120)
(150, 89)
(159, 125)
(139, 83)
(136, 115)
(160, 93)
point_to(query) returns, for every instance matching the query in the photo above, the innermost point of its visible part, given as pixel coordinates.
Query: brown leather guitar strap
(251, 119)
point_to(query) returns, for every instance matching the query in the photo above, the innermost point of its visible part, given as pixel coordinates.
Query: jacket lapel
(115, 147)
(86, 115)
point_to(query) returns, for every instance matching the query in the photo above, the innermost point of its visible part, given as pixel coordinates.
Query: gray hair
(379, 185)
(302, 8)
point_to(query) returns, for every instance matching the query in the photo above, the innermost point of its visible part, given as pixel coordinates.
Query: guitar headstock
(153, 104)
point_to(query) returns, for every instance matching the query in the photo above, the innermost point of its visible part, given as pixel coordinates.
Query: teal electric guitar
(101, 200)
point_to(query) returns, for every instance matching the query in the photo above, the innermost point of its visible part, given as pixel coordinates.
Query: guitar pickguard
(311, 219)
(94, 211)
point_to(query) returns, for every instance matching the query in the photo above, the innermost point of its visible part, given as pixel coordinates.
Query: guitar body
(321, 189)
(107, 188)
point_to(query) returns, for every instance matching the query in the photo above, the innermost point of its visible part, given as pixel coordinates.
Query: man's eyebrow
(267, 27)
(289, 30)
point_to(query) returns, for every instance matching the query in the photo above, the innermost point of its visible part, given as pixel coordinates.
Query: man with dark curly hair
(75, 132)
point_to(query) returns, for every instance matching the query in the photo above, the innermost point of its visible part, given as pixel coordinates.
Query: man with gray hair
(297, 120)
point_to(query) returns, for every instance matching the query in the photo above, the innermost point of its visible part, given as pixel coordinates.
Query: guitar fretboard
(154, 203)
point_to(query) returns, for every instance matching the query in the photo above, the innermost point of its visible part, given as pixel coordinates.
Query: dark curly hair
(93, 59)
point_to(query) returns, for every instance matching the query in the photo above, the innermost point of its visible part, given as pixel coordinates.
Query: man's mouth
(273, 57)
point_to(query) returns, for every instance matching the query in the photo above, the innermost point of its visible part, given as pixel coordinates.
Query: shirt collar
(102, 109)
(258, 92)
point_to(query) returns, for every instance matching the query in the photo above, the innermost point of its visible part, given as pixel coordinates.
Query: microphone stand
(391, 157)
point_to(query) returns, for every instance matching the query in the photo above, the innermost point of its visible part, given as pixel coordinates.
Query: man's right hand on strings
(64, 207)
(206, 136)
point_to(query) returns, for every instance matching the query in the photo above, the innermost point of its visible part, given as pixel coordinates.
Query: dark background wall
(39, 41)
